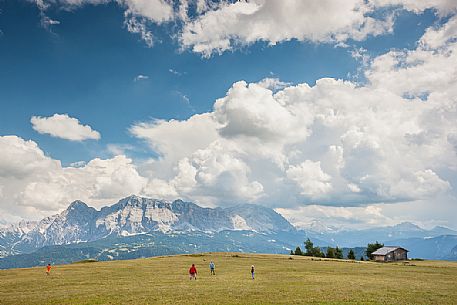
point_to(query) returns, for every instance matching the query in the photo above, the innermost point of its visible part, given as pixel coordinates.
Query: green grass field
(279, 280)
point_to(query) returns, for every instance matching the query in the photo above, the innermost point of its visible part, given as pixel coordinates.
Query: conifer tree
(330, 252)
(372, 248)
(298, 251)
(309, 247)
(338, 253)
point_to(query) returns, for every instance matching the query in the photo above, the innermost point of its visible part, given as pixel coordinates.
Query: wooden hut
(390, 254)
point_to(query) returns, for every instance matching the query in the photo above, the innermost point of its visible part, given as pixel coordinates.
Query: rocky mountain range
(135, 215)
(142, 227)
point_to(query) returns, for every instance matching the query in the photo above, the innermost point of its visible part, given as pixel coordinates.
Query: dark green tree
(372, 248)
(317, 252)
(338, 253)
(291, 252)
(351, 254)
(309, 247)
(361, 258)
(311, 250)
(330, 252)
(298, 251)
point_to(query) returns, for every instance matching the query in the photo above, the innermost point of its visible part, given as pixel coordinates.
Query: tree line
(336, 252)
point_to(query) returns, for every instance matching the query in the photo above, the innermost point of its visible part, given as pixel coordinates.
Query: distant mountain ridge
(135, 215)
(354, 238)
(141, 227)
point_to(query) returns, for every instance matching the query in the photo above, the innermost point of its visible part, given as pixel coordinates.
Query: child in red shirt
(193, 272)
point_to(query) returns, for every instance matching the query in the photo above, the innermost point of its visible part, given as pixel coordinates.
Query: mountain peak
(408, 226)
(76, 205)
(132, 197)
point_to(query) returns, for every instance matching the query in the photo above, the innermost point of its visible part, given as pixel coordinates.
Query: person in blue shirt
(212, 268)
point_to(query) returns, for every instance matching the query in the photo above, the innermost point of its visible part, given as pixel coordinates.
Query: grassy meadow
(280, 279)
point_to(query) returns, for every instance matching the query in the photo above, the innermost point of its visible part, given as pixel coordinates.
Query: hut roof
(385, 250)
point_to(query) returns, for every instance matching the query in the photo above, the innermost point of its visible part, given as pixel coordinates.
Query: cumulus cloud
(39, 185)
(333, 143)
(310, 177)
(422, 71)
(245, 22)
(64, 127)
(336, 143)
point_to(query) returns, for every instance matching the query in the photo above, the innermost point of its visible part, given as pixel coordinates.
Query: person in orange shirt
(48, 269)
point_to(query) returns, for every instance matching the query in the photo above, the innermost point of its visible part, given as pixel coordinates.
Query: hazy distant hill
(439, 247)
(386, 234)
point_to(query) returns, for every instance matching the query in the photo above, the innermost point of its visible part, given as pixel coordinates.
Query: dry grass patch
(279, 280)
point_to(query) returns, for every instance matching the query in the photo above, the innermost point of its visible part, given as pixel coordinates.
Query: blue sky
(92, 68)
(86, 67)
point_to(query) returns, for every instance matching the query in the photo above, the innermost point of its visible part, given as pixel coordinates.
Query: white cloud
(335, 143)
(443, 7)
(64, 127)
(138, 13)
(310, 177)
(426, 213)
(438, 37)
(338, 217)
(119, 149)
(137, 25)
(215, 27)
(172, 71)
(177, 139)
(273, 84)
(245, 22)
(34, 185)
(157, 11)
(358, 138)
(154, 10)
(140, 77)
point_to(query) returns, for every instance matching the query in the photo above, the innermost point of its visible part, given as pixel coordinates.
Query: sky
(339, 112)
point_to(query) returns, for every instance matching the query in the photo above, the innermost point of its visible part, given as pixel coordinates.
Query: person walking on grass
(48, 269)
(193, 272)
(252, 271)
(212, 268)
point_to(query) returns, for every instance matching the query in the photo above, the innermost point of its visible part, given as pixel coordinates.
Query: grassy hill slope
(279, 280)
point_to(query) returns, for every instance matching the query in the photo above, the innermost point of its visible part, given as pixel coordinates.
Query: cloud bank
(336, 146)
